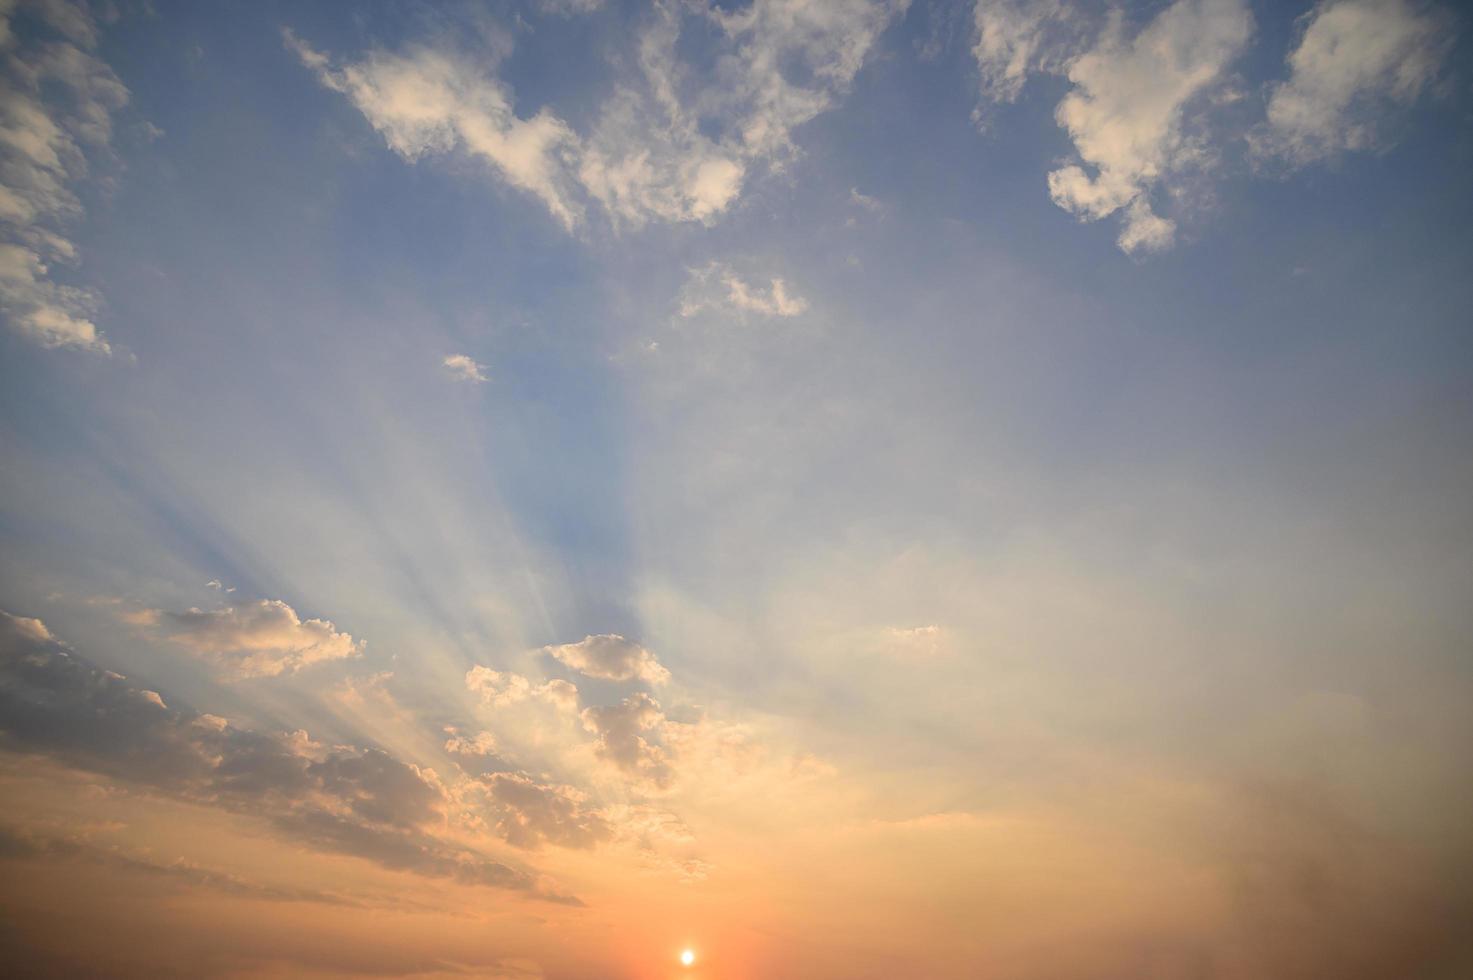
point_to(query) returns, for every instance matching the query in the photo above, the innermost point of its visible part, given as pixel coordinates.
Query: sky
(841, 488)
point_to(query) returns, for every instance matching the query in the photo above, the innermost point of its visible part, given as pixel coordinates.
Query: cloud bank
(357, 801)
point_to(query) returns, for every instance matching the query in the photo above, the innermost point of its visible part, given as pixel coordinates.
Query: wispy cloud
(717, 287)
(650, 154)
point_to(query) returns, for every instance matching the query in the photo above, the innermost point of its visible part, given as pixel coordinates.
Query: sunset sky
(838, 488)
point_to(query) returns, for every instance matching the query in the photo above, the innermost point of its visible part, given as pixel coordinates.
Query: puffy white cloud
(1139, 112)
(621, 731)
(502, 689)
(1125, 112)
(610, 657)
(259, 639)
(56, 98)
(462, 367)
(1355, 59)
(718, 287)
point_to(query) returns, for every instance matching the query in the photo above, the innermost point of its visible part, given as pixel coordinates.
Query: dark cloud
(355, 801)
(1319, 893)
(621, 731)
(531, 813)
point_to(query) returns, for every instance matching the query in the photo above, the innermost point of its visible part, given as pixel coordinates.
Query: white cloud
(429, 101)
(610, 657)
(461, 367)
(825, 41)
(718, 287)
(260, 639)
(1125, 112)
(675, 141)
(1355, 59)
(42, 138)
(1016, 38)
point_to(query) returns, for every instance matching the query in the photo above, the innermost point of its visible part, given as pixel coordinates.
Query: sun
(687, 957)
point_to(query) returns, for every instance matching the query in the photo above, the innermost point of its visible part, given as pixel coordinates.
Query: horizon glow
(783, 489)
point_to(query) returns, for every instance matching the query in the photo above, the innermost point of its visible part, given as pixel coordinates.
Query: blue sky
(991, 419)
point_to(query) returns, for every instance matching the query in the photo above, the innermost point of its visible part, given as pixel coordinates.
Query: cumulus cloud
(501, 689)
(463, 368)
(610, 657)
(675, 141)
(1355, 60)
(621, 732)
(56, 104)
(357, 801)
(1125, 112)
(718, 287)
(260, 639)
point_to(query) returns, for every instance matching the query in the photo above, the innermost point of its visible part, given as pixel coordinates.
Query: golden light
(687, 957)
